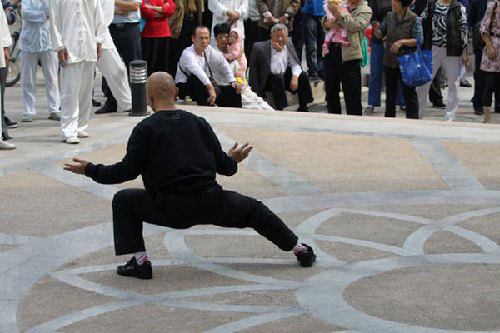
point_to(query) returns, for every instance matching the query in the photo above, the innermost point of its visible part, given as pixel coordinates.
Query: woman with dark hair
(403, 30)
(156, 34)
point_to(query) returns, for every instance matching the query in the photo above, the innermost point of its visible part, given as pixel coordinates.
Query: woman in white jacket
(233, 12)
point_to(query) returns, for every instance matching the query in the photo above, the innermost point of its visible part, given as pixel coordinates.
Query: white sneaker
(4, 145)
(73, 140)
(83, 134)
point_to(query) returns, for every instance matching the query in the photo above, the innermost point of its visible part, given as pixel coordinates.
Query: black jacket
(174, 151)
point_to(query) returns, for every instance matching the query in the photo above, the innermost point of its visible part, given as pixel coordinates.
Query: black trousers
(132, 207)
(349, 74)
(228, 97)
(3, 81)
(127, 39)
(491, 83)
(392, 77)
(156, 51)
(299, 33)
(253, 34)
(479, 85)
(277, 84)
(435, 94)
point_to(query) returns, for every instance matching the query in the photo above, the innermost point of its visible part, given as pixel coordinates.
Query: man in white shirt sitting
(195, 73)
(274, 67)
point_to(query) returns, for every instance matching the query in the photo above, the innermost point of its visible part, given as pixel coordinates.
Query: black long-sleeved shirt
(174, 151)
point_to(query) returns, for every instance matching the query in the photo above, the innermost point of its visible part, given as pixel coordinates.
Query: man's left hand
(99, 51)
(78, 168)
(396, 46)
(294, 84)
(239, 153)
(236, 87)
(277, 46)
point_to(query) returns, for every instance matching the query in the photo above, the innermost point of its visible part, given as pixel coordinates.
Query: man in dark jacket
(178, 156)
(275, 67)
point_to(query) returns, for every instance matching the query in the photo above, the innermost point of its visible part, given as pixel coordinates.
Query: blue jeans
(376, 73)
(314, 37)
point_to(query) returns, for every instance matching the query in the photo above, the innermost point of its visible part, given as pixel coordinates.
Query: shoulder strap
(206, 61)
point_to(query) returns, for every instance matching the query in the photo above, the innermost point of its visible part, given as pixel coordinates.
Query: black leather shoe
(106, 108)
(439, 105)
(306, 257)
(95, 103)
(131, 268)
(9, 123)
(478, 112)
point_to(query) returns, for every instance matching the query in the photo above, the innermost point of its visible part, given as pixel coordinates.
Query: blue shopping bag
(142, 24)
(416, 67)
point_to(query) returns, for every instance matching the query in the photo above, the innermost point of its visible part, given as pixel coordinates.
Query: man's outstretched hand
(78, 168)
(239, 153)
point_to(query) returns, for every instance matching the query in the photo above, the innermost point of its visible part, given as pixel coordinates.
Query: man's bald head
(161, 89)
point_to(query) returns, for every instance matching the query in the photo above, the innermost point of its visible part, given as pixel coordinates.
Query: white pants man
(29, 61)
(76, 99)
(452, 66)
(113, 69)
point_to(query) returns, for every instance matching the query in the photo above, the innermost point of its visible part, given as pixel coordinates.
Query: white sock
(299, 247)
(141, 257)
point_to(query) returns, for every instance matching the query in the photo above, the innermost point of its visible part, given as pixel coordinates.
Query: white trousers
(29, 64)
(452, 66)
(77, 80)
(114, 71)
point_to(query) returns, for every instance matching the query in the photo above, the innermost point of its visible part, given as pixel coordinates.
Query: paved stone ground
(404, 216)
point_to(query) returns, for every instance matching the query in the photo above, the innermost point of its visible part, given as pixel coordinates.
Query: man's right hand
(63, 57)
(212, 94)
(490, 51)
(238, 154)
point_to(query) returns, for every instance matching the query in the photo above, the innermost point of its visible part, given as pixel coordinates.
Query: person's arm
(243, 9)
(168, 8)
(147, 13)
(6, 38)
(189, 65)
(32, 15)
(464, 29)
(417, 32)
(128, 6)
(217, 9)
(108, 9)
(382, 29)
(56, 22)
(355, 23)
(99, 27)
(263, 8)
(293, 8)
(485, 31)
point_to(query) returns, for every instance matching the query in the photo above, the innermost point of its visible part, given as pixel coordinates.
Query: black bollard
(138, 76)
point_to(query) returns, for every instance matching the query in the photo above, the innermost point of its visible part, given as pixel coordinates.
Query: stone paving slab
(404, 216)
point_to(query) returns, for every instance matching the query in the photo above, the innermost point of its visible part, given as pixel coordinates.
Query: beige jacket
(355, 22)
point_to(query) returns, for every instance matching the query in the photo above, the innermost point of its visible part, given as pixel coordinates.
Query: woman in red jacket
(156, 33)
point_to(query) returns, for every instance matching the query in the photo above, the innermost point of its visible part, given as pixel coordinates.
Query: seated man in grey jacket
(274, 66)
(195, 73)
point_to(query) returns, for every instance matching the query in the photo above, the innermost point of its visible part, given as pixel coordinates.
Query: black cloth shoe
(106, 108)
(6, 137)
(465, 83)
(131, 268)
(439, 105)
(306, 257)
(9, 123)
(302, 109)
(478, 112)
(95, 103)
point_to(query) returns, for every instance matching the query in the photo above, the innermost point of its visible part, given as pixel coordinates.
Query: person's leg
(333, 62)
(400, 101)
(350, 74)
(435, 93)
(276, 85)
(113, 69)
(489, 82)
(438, 56)
(391, 86)
(376, 70)
(310, 41)
(70, 92)
(196, 90)
(410, 97)
(320, 37)
(3, 79)
(29, 63)
(304, 90)
(49, 67)
(299, 27)
(228, 97)
(132, 207)
(85, 102)
(477, 99)
(452, 67)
